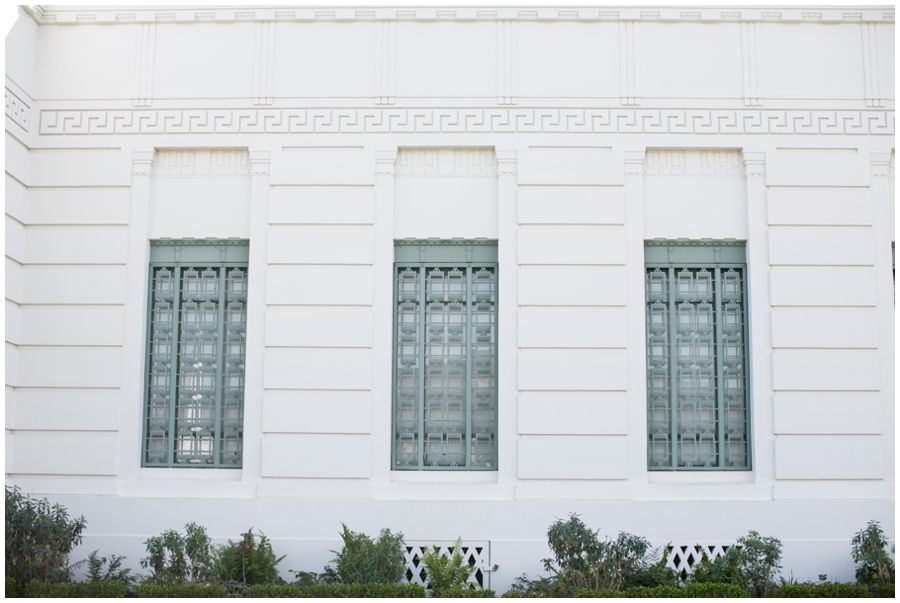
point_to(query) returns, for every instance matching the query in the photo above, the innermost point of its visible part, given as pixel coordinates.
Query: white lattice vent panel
(683, 557)
(477, 554)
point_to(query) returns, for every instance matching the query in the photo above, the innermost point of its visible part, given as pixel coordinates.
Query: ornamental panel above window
(697, 403)
(194, 409)
(445, 356)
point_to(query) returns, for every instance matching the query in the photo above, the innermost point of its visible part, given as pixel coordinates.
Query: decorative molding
(17, 110)
(76, 15)
(507, 162)
(385, 162)
(264, 63)
(446, 162)
(720, 163)
(142, 163)
(693, 162)
(498, 119)
(143, 68)
(634, 163)
(507, 63)
(201, 162)
(754, 163)
(874, 97)
(881, 164)
(629, 63)
(748, 52)
(664, 162)
(260, 163)
(385, 64)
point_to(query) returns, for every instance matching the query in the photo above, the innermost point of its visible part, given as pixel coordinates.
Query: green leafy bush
(759, 558)
(248, 562)
(445, 572)
(12, 591)
(364, 561)
(753, 563)
(724, 569)
(583, 560)
(181, 591)
(464, 592)
(826, 590)
(873, 563)
(690, 591)
(177, 559)
(39, 538)
(114, 571)
(337, 591)
(112, 589)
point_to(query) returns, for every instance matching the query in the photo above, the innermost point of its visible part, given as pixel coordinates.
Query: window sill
(444, 477)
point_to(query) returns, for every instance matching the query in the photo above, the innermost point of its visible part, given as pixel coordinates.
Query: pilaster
(507, 317)
(257, 266)
(383, 317)
(134, 365)
(636, 330)
(759, 321)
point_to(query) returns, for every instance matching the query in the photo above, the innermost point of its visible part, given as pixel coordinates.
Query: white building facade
(455, 272)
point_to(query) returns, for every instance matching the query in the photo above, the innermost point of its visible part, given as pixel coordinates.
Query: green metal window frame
(196, 346)
(698, 410)
(444, 394)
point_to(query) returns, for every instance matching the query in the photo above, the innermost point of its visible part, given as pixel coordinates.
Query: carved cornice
(497, 120)
(17, 110)
(204, 13)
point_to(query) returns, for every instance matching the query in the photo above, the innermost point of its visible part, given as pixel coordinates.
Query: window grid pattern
(195, 388)
(445, 381)
(696, 368)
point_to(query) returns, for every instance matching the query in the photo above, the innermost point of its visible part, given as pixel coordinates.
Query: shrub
(248, 562)
(873, 563)
(464, 592)
(337, 591)
(583, 560)
(39, 538)
(176, 559)
(445, 572)
(364, 561)
(114, 571)
(12, 591)
(753, 563)
(181, 591)
(759, 558)
(725, 569)
(113, 589)
(690, 591)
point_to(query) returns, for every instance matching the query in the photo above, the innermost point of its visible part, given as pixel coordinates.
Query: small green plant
(760, 558)
(364, 561)
(444, 572)
(39, 539)
(583, 560)
(873, 563)
(753, 563)
(177, 559)
(248, 562)
(113, 572)
(724, 569)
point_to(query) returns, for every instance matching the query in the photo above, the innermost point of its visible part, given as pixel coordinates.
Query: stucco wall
(299, 130)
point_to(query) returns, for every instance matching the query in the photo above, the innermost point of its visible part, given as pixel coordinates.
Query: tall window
(445, 355)
(696, 356)
(195, 369)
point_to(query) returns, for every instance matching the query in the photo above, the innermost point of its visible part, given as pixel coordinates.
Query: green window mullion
(423, 342)
(469, 329)
(218, 421)
(176, 360)
(720, 373)
(673, 373)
